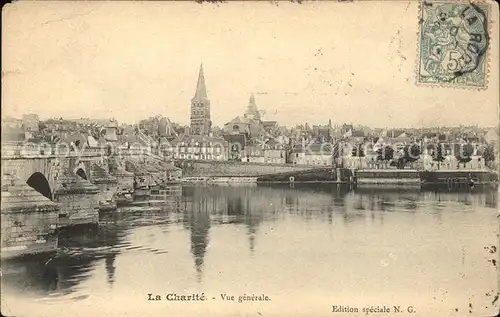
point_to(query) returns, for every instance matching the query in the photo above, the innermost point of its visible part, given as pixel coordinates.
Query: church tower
(200, 108)
(252, 112)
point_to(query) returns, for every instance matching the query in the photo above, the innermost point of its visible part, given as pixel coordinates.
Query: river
(307, 248)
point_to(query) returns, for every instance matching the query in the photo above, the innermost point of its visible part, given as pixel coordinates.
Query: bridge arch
(81, 173)
(80, 169)
(39, 182)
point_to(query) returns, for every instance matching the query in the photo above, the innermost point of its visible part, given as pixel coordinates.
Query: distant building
(249, 124)
(491, 136)
(76, 141)
(11, 130)
(316, 154)
(60, 127)
(346, 128)
(149, 126)
(166, 128)
(270, 126)
(238, 126)
(30, 122)
(252, 112)
(254, 152)
(301, 132)
(323, 131)
(11, 123)
(237, 144)
(274, 152)
(355, 136)
(158, 126)
(111, 132)
(198, 147)
(200, 108)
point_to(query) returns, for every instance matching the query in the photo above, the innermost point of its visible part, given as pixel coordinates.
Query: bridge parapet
(23, 150)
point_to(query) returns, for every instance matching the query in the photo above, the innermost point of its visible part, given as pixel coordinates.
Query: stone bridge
(44, 170)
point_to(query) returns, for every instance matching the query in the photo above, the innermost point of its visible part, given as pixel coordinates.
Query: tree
(411, 152)
(385, 154)
(336, 151)
(389, 153)
(358, 151)
(380, 155)
(438, 154)
(464, 153)
(489, 153)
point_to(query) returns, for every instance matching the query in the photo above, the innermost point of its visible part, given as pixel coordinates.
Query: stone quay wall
(235, 169)
(23, 229)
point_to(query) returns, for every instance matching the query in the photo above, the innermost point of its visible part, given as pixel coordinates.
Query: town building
(274, 152)
(158, 126)
(254, 152)
(198, 147)
(271, 127)
(200, 108)
(237, 144)
(134, 143)
(315, 153)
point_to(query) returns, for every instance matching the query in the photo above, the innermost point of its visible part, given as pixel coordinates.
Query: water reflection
(197, 220)
(200, 211)
(80, 248)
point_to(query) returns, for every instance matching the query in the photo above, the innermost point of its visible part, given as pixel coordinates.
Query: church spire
(201, 89)
(252, 111)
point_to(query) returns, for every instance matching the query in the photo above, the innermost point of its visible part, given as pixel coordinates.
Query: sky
(350, 62)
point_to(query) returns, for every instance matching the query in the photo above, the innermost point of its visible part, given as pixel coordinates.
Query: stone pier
(79, 201)
(108, 186)
(28, 220)
(125, 179)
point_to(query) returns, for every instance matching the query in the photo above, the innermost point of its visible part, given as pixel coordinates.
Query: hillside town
(251, 138)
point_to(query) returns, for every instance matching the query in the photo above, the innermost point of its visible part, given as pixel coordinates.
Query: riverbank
(219, 180)
(374, 177)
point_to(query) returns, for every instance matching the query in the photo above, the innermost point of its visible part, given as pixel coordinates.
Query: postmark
(453, 44)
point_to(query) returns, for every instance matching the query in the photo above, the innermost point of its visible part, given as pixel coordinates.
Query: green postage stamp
(453, 44)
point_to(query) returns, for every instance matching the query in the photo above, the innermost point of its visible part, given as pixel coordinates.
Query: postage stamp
(453, 44)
